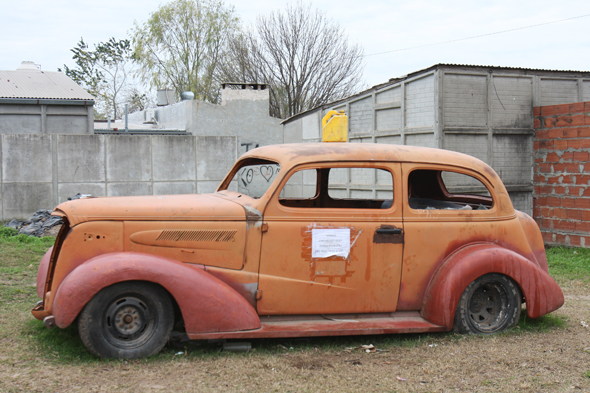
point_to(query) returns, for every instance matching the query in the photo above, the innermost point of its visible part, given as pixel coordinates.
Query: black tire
(490, 304)
(127, 320)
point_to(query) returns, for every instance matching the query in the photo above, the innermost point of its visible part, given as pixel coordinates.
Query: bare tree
(303, 55)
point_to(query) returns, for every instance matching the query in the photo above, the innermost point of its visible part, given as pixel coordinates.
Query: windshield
(253, 177)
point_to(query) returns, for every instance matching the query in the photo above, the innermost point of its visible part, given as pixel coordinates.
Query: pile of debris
(42, 223)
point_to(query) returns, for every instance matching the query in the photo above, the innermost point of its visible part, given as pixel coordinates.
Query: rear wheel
(489, 304)
(127, 320)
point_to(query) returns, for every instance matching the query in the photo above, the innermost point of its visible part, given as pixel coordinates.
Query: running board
(331, 325)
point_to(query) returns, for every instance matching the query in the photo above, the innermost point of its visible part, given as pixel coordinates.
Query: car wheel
(127, 320)
(489, 304)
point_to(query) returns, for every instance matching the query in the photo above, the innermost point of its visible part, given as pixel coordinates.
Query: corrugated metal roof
(37, 84)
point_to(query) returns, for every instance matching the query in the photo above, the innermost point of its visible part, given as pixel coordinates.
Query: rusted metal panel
(207, 304)
(540, 291)
(333, 325)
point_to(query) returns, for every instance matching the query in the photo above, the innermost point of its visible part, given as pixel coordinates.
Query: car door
(334, 241)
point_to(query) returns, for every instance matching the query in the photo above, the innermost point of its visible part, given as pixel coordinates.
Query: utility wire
(476, 36)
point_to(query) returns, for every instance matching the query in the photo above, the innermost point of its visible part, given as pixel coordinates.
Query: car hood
(192, 207)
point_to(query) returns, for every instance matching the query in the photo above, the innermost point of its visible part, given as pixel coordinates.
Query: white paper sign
(330, 242)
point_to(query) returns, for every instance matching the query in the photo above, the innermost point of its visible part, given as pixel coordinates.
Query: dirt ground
(553, 360)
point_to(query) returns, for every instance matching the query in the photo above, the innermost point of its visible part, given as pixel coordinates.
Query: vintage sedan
(300, 240)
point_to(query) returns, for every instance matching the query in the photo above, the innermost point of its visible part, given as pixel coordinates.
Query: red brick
(575, 191)
(585, 215)
(568, 202)
(582, 203)
(552, 157)
(572, 168)
(554, 133)
(574, 143)
(541, 201)
(578, 120)
(582, 227)
(577, 107)
(581, 156)
(575, 240)
(547, 237)
(586, 119)
(566, 121)
(587, 167)
(560, 238)
(574, 214)
(543, 168)
(586, 192)
(539, 178)
(559, 167)
(560, 213)
(582, 179)
(562, 109)
(560, 145)
(546, 145)
(549, 122)
(536, 123)
(586, 106)
(570, 132)
(537, 111)
(564, 225)
(567, 156)
(540, 133)
(560, 190)
(584, 132)
(553, 201)
(536, 146)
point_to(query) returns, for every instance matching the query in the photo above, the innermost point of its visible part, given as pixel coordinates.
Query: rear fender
(207, 304)
(541, 292)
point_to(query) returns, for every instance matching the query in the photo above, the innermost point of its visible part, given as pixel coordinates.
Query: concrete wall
(29, 118)
(562, 173)
(243, 113)
(40, 171)
(481, 111)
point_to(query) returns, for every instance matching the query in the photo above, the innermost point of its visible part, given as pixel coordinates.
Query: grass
(569, 263)
(20, 256)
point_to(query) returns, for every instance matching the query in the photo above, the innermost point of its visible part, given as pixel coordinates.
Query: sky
(413, 33)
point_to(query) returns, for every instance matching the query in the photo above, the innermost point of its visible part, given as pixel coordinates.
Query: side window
(340, 187)
(446, 190)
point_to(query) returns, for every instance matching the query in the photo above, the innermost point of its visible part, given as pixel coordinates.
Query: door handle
(389, 231)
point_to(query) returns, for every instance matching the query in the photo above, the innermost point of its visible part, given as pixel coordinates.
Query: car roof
(300, 153)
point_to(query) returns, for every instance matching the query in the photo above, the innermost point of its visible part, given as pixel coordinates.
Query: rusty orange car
(299, 240)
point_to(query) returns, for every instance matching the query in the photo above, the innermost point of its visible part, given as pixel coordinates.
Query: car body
(300, 240)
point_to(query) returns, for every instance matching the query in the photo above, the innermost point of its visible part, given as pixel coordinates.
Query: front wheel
(127, 320)
(489, 304)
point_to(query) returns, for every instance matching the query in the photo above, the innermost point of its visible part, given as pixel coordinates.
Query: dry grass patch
(547, 355)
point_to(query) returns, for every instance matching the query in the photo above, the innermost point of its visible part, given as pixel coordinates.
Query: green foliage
(569, 263)
(181, 45)
(104, 73)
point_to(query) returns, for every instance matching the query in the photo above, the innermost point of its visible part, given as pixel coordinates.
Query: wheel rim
(488, 307)
(129, 321)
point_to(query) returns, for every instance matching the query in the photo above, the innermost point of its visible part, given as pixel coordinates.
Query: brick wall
(561, 204)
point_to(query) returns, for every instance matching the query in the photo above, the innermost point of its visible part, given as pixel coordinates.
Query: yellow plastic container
(335, 127)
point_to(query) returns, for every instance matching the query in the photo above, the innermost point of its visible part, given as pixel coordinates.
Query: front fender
(207, 303)
(541, 292)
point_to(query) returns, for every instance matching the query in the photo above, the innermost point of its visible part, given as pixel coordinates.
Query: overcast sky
(44, 31)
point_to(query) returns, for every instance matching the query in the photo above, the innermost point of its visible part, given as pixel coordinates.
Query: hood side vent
(197, 236)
